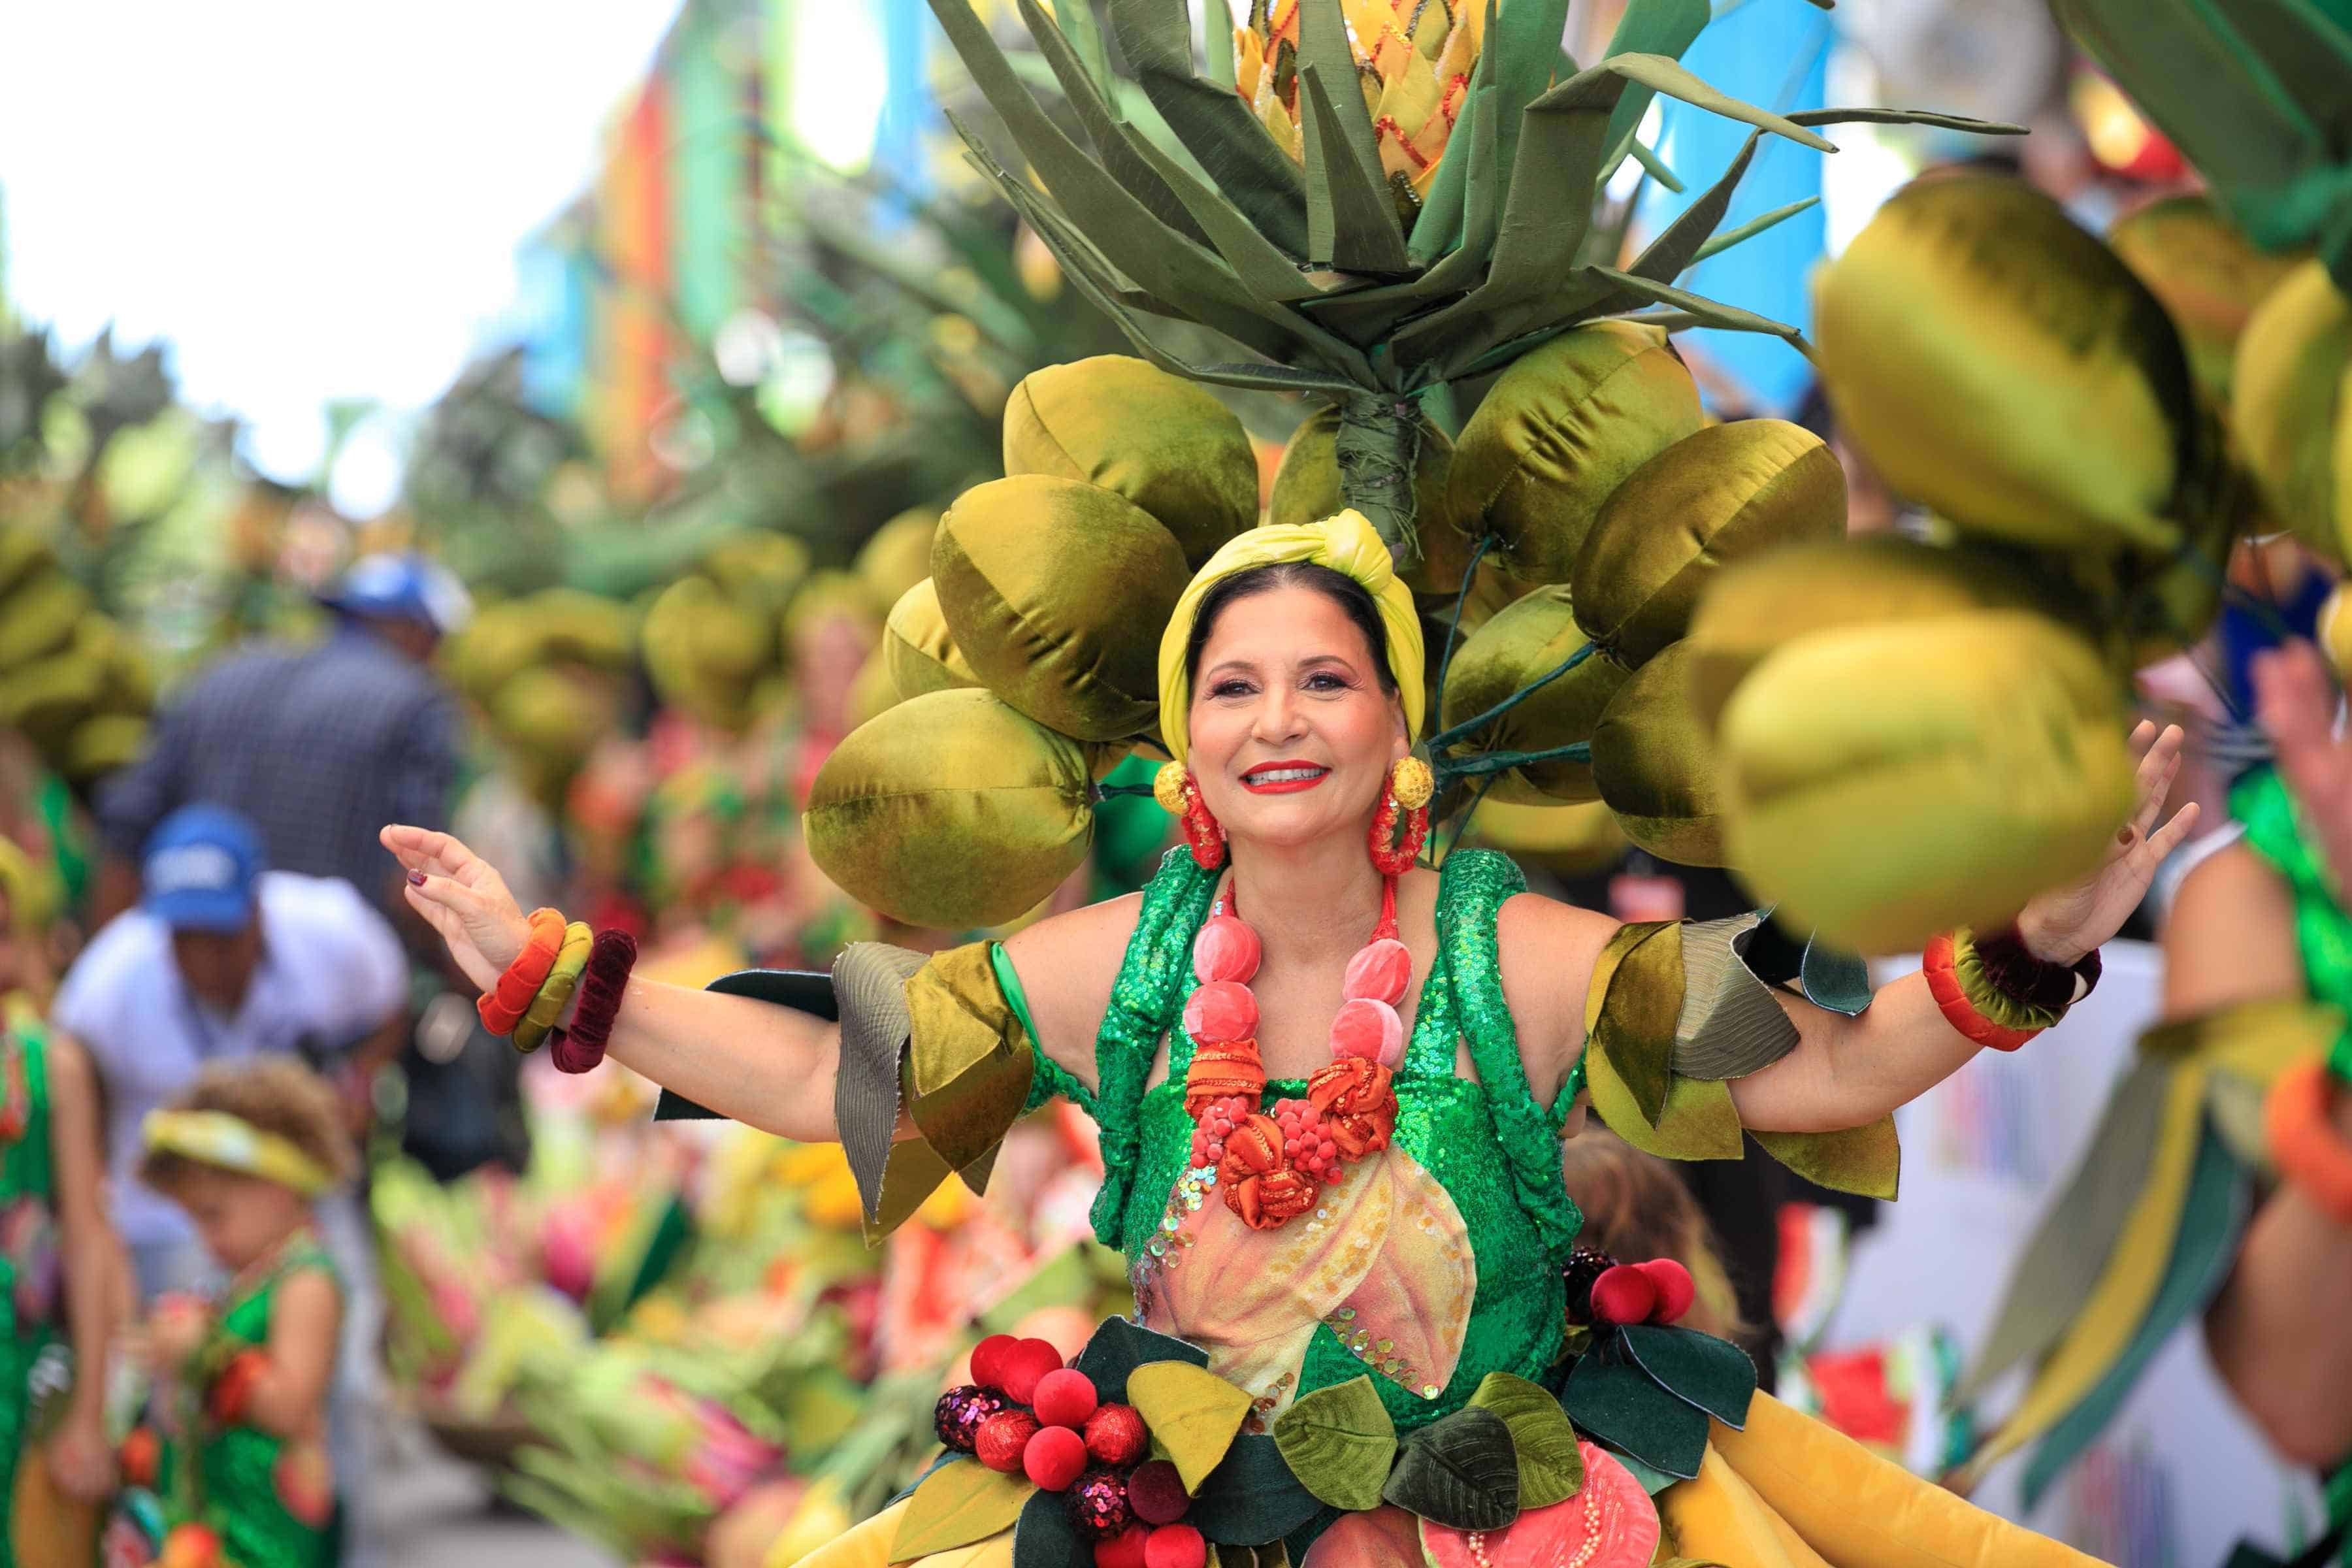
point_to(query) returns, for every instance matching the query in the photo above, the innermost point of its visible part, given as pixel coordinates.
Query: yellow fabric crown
(1347, 544)
(232, 1143)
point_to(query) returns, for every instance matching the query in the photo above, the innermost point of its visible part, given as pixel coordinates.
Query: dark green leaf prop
(1120, 1346)
(1252, 1496)
(1713, 1374)
(1550, 1468)
(1611, 1399)
(1460, 1472)
(1046, 1537)
(1339, 1442)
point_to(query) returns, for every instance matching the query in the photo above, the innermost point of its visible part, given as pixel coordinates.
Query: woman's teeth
(1288, 775)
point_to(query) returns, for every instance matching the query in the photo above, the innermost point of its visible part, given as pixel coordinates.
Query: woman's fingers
(2170, 837)
(426, 849)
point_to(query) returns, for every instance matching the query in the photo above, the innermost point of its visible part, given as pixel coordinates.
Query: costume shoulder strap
(1143, 1002)
(1473, 884)
(2323, 929)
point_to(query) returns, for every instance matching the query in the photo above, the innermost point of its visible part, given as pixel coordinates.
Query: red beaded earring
(1409, 788)
(1180, 798)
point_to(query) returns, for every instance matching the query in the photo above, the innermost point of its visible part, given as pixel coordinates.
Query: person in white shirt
(223, 959)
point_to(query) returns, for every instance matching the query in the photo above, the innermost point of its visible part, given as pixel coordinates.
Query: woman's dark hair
(1336, 586)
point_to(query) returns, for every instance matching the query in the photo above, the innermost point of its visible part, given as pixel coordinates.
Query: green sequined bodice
(27, 1242)
(2323, 931)
(1487, 1143)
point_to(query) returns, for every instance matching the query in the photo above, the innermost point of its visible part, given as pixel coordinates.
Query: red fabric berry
(1025, 1364)
(1065, 1397)
(1368, 1029)
(1221, 1013)
(1380, 973)
(1175, 1546)
(1001, 1439)
(988, 1360)
(1124, 1549)
(1157, 1492)
(1226, 949)
(1116, 1434)
(1675, 1288)
(1623, 1295)
(1053, 1457)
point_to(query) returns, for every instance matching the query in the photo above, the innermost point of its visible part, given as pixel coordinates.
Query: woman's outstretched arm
(770, 1067)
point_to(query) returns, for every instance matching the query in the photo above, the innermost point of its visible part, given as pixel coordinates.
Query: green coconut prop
(916, 652)
(951, 810)
(71, 679)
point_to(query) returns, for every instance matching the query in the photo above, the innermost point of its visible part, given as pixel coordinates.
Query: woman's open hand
(463, 899)
(2061, 925)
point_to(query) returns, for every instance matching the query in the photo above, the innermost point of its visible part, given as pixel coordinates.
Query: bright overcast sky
(308, 199)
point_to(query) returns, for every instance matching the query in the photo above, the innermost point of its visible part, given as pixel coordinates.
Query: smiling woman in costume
(1329, 1083)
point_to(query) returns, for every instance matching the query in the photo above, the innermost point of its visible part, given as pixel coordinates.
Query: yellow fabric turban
(1347, 544)
(232, 1143)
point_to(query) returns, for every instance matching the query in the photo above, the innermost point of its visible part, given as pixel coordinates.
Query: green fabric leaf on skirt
(1712, 1374)
(1252, 1496)
(1551, 1469)
(1459, 1472)
(1610, 1398)
(1046, 1537)
(1193, 1414)
(1340, 1443)
(961, 1503)
(1119, 1347)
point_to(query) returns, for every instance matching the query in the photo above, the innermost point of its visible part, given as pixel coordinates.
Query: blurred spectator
(320, 746)
(225, 960)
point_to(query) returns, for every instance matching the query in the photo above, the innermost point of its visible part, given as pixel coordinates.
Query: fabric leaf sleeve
(1675, 1011)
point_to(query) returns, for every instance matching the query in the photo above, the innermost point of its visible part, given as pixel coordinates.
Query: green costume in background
(237, 1487)
(29, 1250)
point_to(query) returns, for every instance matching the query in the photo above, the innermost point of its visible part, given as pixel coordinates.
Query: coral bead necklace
(1271, 1165)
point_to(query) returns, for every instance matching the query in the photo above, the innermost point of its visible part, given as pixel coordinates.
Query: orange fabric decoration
(1219, 1070)
(1258, 1183)
(502, 1006)
(1944, 984)
(1358, 1105)
(2311, 1152)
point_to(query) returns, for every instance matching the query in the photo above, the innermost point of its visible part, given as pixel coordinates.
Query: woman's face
(1291, 734)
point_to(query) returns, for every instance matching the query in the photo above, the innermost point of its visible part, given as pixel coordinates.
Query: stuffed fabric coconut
(1724, 494)
(951, 810)
(2209, 278)
(1886, 781)
(1524, 641)
(1761, 606)
(1572, 840)
(1653, 761)
(2006, 369)
(1165, 444)
(710, 652)
(1056, 592)
(898, 555)
(917, 649)
(1307, 489)
(78, 688)
(1557, 432)
(2290, 409)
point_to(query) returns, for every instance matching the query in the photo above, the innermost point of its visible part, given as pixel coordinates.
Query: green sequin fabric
(24, 1186)
(1489, 1143)
(2323, 931)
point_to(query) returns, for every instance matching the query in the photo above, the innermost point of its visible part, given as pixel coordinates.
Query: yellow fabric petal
(1858, 1510)
(969, 1055)
(1348, 544)
(1700, 1122)
(1718, 1517)
(1867, 1161)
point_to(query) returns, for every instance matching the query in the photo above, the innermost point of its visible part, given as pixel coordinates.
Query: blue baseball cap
(202, 865)
(402, 588)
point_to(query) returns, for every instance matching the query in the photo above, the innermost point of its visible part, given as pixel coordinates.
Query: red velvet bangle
(582, 1046)
(502, 1006)
(1944, 984)
(2309, 1150)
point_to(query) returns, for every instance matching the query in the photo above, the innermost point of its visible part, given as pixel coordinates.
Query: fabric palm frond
(1374, 200)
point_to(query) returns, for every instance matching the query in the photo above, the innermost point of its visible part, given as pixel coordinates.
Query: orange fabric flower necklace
(1272, 1166)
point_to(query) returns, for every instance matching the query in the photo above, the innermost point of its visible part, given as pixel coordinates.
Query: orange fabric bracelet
(1944, 984)
(502, 1006)
(2304, 1142)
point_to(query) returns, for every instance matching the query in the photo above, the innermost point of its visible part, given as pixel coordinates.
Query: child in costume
(246, 1377)
(57, 1260)
(1348, 1224)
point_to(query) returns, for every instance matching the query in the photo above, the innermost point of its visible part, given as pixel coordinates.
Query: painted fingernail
(416, 879)
(2124, 835)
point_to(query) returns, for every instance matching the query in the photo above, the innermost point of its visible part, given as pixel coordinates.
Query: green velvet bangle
(555, 992)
